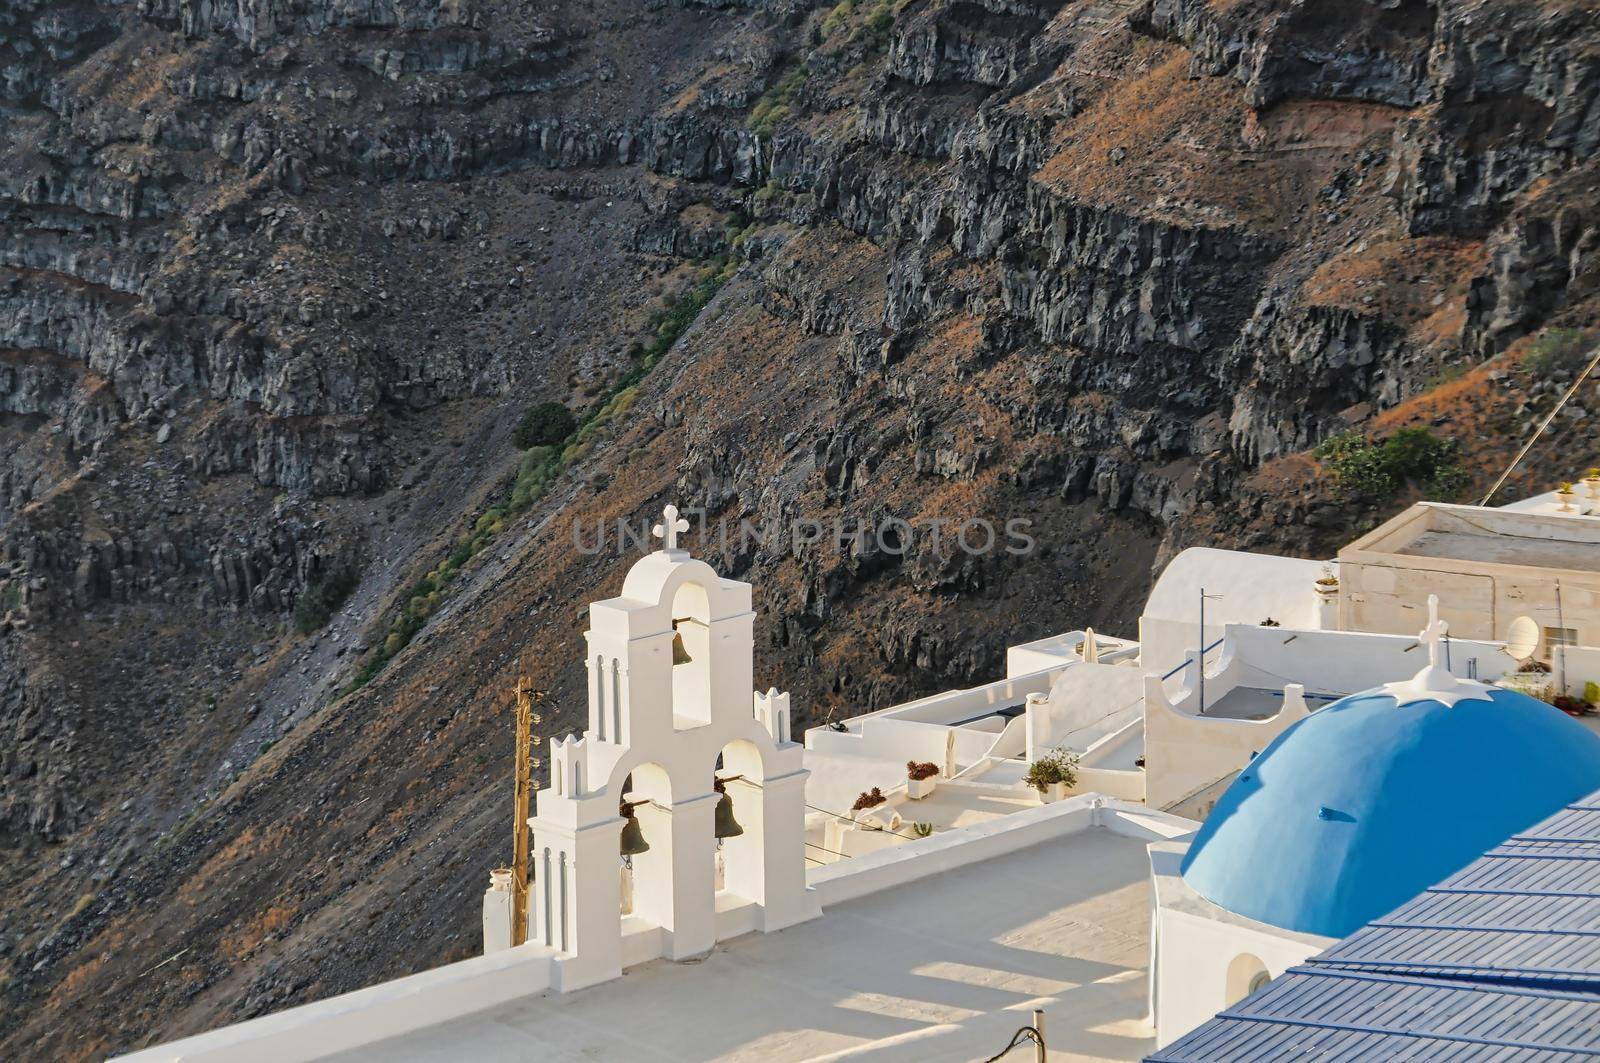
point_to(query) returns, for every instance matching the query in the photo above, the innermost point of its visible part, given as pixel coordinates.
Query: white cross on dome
(1435, 681)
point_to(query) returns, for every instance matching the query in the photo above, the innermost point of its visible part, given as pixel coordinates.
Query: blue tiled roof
(1500, 961)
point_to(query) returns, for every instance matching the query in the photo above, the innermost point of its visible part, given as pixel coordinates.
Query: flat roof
(1505, 549)
(1484, 536)
(948, 968)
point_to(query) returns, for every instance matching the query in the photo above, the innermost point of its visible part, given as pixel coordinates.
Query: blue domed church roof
(1367, 802)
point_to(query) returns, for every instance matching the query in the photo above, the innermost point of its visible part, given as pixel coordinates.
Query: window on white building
(1559, 636)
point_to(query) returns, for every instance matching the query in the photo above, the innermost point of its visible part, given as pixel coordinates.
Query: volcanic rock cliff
(278, 278)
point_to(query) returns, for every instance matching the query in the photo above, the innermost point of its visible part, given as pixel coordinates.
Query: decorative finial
(669, 528)
(1435, 682)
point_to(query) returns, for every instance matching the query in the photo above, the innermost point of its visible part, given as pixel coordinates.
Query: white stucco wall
(1196, 953)
(901, 864)
(1086, 702)
(1339, 662)
(1194, 945)
(1123, 785)
(837, 778)
(1185, 752)
(1064, 648)
(1252, 587)
(1581, 665)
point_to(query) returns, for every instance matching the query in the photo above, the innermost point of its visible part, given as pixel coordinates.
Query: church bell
(679, 654)
(727, 826)
(633, 842)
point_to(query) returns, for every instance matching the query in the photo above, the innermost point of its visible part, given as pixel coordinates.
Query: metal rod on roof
(1561, 647)
(1203, 648)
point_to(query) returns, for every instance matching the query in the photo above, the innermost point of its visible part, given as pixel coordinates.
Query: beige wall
(1391, 596)
(1510, 568)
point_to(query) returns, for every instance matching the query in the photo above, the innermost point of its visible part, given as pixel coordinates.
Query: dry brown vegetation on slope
(281, 288)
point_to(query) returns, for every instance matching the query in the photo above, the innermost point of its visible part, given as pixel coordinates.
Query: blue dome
(1362, 805)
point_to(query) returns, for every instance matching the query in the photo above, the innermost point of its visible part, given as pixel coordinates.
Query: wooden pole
(523, 790)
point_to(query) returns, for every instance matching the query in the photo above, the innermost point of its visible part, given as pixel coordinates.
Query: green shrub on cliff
(1558, 350)
(321, 599)
(546, 424)
(1376, 469)
(773, 106)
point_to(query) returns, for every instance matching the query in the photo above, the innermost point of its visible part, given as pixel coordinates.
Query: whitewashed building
(1247, 786)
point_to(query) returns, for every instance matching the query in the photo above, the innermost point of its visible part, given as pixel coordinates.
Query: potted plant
(1591, 480)
(1533, 678)
(1573, 706)
(921, 778)
(1053, 774)
(867, 800)
(1326, 588)
(1564, 492)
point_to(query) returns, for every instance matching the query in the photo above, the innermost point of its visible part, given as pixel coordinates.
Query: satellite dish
(1523, 638)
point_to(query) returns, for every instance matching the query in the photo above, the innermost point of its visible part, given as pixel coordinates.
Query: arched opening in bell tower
(647, 874)
(740, 774)
(691, 657)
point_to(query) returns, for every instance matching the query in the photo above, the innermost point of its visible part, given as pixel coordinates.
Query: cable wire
(1573, 390)
(1027, 1033)
(886, 830)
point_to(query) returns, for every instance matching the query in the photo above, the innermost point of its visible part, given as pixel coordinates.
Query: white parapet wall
(1186, 752)
(873, 751)
(1112, 782)
(1085, 703)
(1340, 662)
(1063, 649)
(901, 864)
(366, 1016)
(390, 1009)
(1580, 666)
(1241, 588)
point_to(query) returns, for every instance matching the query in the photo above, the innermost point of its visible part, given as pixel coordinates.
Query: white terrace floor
(946, 968)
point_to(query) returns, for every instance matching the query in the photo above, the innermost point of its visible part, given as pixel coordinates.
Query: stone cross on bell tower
(669, 528)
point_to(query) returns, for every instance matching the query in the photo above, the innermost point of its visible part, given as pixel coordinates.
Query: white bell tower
(670, 698)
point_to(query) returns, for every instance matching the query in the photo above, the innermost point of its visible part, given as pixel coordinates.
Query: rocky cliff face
(277, 278)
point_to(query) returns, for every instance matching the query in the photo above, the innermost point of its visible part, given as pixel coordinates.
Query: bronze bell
(679, 654)
(727, 826)
(633, 842)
